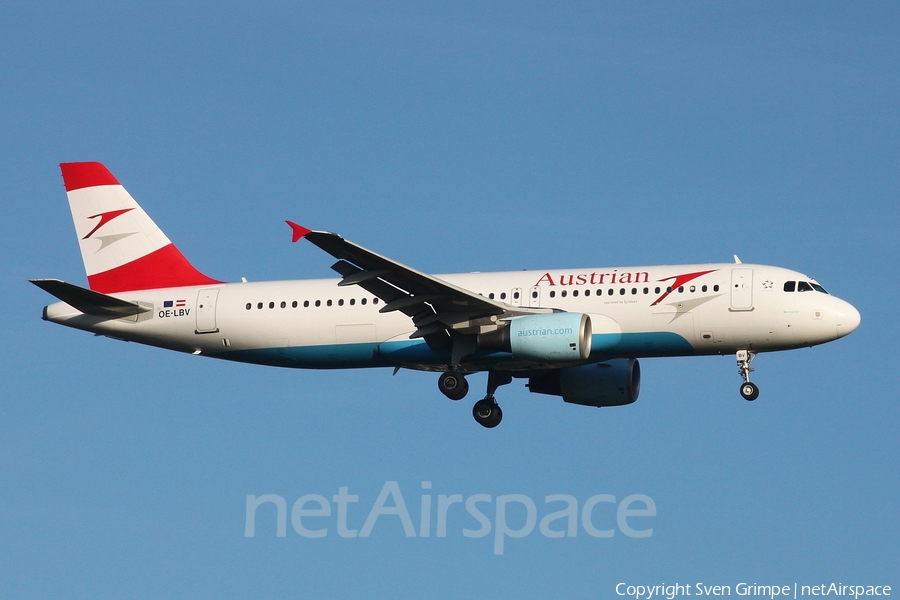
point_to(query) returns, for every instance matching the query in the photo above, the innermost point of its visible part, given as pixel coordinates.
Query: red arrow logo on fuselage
(680, 280)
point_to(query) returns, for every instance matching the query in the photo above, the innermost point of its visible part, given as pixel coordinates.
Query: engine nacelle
(550, 338)
(610, 383)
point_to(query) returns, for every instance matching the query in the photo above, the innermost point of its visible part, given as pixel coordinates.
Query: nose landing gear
(749, 391)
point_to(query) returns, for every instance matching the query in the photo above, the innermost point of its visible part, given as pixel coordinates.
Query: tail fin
(121, 246)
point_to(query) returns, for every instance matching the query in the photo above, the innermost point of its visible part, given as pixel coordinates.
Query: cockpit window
(803, 286)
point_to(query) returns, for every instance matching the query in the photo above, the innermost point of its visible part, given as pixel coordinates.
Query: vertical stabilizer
(121, 246)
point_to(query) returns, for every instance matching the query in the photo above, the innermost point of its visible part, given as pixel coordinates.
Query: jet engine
(551, 338)
(610, 383)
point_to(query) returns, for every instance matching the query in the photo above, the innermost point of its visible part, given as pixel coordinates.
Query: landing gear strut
(453, 384)
(486, 411)
(749, 390)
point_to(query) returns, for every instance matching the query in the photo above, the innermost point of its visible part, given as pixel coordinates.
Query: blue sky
(452, 137)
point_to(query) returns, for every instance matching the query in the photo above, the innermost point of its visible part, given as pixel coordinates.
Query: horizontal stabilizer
(89, 302)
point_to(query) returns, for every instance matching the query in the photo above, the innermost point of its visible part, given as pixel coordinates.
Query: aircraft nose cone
(847, 318)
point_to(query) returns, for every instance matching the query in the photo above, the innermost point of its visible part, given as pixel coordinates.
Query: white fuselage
(635, 312)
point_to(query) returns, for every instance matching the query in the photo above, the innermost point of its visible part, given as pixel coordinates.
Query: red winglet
(299, 231)
(86, 174)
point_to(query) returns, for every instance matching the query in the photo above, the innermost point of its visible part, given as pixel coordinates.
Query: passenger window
(318, 303)
(329, 302)
(587, 292)
(790, 286)
(534, 294)
(352, 301)
(611, 291)
(259, 305)
(271, 305)
(575, 293)
(646, 291)
(306, 304)
(656, 290)
(516, 296)
(363, 301)
(249, 306)
(704, 288)
(294, 304)
(803, 286)
(563, 294)
(491, 295)
(341, 302)
(283, 304)
(374, 300)
(621, 291)
(552, 294)
(503, 295)
(716, 288)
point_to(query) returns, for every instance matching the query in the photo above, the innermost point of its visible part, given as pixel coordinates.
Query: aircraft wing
(435, 306)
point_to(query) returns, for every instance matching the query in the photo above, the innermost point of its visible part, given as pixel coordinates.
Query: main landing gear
(453, 384)
(487, 413)
(749, 390)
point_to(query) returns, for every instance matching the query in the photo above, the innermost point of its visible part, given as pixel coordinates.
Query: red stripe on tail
(166, 267)
(86, 174)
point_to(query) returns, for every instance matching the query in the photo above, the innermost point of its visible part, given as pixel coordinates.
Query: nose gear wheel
(749, 391)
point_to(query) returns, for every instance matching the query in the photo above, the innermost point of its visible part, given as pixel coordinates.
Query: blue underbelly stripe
(388, 354)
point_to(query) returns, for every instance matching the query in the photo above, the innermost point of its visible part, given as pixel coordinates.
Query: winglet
(299, 231)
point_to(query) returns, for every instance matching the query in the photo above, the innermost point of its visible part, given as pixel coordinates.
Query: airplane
(573, 333)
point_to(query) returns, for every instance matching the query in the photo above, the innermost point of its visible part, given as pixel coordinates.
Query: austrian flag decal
(171, 303)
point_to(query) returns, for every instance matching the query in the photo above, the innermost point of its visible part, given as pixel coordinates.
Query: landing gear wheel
(453, 385)
(487, 413)
(749, 391)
